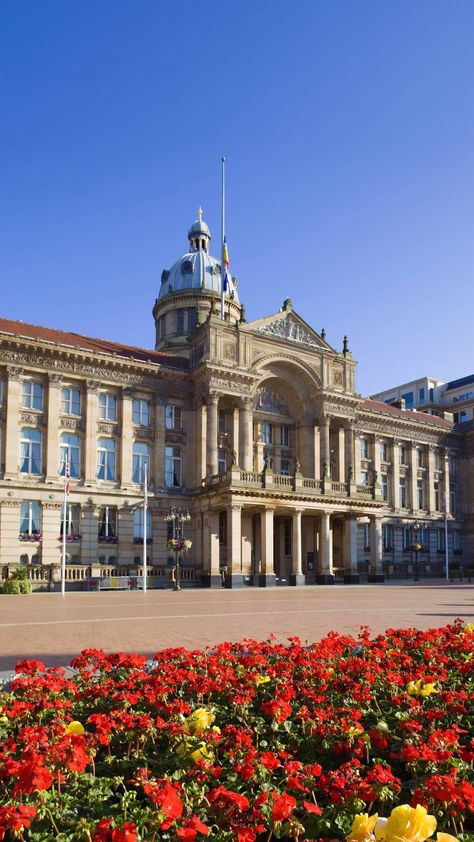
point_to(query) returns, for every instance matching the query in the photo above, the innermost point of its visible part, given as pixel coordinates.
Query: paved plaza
(55, 628)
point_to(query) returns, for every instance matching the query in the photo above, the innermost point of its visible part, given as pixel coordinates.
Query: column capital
(128, 392)
(92, 386)
(236, 507)
(268, 509)
(14, 373)
(212, 398)
(55, 379)
(246, 403)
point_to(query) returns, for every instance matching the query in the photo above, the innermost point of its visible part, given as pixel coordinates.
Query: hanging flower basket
(180, 545)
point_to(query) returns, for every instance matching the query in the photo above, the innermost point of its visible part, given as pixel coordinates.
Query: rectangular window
(385, 487)
(406, 538)
(420, 457)
(364, 448)
(421, 395)
(161, 328)
(366, 537)
(285, 467)
(141, 412)
(71, 401)
(30, 518)
(437, 497)
(452, 500)
(267, 433)
(174, 419)
(403, 494)
(364, 478)
(31, 451)
(107, 407)
(32, 395)
(180, 314)
(287, 536)
(403, 454)
(73, 513)
(387, 537)
(384, 452)
(140, 459)
(70, 455)
(223, 528)
(173, 467)
(106, 459)
(437, 460)
(192, 318)
(138, 524)
(452, 465)
(441, 539)
(285, 435)
(222, 421)
(221, 461)
(408, 398)
(456, 540)
(107, 523)
(420, 494)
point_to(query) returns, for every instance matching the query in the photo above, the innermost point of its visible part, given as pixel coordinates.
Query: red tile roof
(407, 414)
(88, 343)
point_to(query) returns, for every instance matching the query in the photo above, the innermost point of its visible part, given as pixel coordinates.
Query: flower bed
(244, 742)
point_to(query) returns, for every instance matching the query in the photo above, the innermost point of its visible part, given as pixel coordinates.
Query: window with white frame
(366, 537)
(138, 523)
(221, 461)
(403, 454)
(456, 540)
(406, 538)
(173, 417)
(441, 539)
(384, 451)
(32, 395)
(30, 518)
(70, 401)
(267, 433)
(364, 477)
(452, 499)
(403, 492)
(70, 455)
(31, 451)
(140, 458)
(420, 457)
(437, 460)
(73, 517)
(107, 523)
(420, 491)
(437, 496)
(285, 467)
(387, 532)
(106, 459)
(364, 448)
(141, 412)
(222, 421)
(384, 487)
(107, 407)
(173, 467)
(285, 435)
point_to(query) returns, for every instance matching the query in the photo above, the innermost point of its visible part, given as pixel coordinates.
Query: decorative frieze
(33, 418)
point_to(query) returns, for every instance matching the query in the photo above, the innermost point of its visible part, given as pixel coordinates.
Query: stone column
(211, 435)
(413, 479)
(297, 577)
(266, 578)
(317, 453)
(201, 444)
(430, 460)
(325, 446)
(351, 574)
(52, 430)
(326, 571)
(12, 429)
(446, 482)
(234, 577)
(376, 546)
(349, 451)
(215, 579)
(159, 412)
(246, 434)
(234, 445)
(395, 474)
(90, 439)
(341, 455)
(126, 439)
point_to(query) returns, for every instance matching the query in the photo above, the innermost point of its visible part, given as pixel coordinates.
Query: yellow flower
(469, 627)
(75, 728)
(196, 752)
(199, 721)
(262, 679)
(406, 824)
(445, 837)
(362, 829)
(417, 688)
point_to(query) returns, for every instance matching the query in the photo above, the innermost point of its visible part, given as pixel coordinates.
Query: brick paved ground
(56, 628)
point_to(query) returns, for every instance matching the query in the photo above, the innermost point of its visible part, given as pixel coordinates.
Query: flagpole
(223, 270)
(63, 554)
(145, 507)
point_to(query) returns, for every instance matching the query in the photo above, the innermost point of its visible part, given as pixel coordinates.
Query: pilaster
(126, 439)
(12, 429)
(52, 430)
(211, 434)
(90, 441)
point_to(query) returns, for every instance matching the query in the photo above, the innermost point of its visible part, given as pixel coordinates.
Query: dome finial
(200, 212)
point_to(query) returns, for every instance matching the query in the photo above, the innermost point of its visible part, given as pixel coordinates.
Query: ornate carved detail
(267, 401)
(55, 379)
(71, 423)
(338, 378)
(229, 386)
(53, 506)
(143, 432)
(128, 392)
(229, 350)
(109, 429)
(92, 386)
(9, 503)
(32, 418)
(289, 328)
(13, 372)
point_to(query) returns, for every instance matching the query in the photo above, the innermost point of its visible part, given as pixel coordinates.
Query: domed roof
(197, 269)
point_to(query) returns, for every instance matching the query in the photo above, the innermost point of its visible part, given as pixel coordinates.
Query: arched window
(141, 457)
(31, 447)
(106, 459)
(70, 454)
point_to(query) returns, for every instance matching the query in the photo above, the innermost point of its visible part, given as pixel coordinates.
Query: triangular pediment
(290, 327)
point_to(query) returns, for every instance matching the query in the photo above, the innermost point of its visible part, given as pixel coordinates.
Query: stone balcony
(295, 485)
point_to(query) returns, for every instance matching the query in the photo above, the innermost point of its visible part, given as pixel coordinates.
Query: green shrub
(18, 582)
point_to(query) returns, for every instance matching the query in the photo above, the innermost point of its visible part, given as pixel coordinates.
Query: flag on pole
(225, 266)
(67, 486)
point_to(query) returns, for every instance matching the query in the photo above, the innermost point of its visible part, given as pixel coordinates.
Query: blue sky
(348, 128)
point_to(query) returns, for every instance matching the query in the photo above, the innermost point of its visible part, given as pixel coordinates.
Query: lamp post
(177, 543)
(416, 547)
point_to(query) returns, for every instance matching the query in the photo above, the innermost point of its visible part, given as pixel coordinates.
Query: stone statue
(266, 462)
(233, 458)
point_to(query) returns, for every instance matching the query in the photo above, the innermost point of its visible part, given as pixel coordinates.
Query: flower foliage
(246, 742)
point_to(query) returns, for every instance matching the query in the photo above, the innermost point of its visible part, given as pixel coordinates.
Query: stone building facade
(256, 427)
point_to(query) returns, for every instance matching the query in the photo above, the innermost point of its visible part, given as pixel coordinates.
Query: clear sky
(348, 127)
